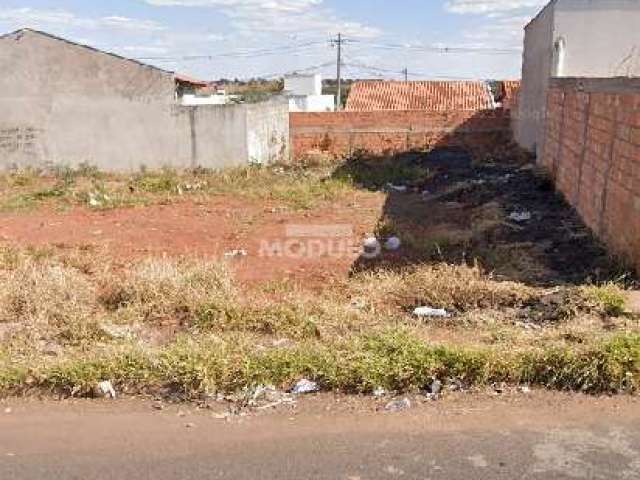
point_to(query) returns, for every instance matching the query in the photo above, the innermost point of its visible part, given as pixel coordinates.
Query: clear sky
(212, 39)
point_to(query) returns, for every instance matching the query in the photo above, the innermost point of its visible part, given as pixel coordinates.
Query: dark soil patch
(460, 212)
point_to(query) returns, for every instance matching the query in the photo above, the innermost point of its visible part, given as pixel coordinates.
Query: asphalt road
(539, 437)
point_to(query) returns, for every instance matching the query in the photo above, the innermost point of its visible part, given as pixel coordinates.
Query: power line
(441, 49)
(238, 54)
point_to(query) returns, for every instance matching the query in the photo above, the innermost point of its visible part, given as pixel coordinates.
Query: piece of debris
(282, 343)
(379, 392)
(431, 312)
(305, 386)
(525, 389)
(105, 390)
(436, 387)
(392, 244)
(236, 253)
(396, 188)
(371, 247)
(158, 406)
(499, 387)
(398, 405)
(190, 425)
(8, 410)
(358, 304)
(520, 217)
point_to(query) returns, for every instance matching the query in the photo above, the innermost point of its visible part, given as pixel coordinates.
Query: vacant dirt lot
(197, 283)
(207, 229)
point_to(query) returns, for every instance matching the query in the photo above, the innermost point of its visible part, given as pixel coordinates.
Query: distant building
(574, 38)
(305, 94)
(437, 96)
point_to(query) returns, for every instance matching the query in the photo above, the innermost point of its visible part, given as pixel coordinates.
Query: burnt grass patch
(504, 215)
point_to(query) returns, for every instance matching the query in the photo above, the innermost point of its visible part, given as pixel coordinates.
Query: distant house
(574, 38)
(305, 94)
(437, 96)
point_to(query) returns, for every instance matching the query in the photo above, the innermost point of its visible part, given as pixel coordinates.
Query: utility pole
(406, 74)
(339, 43)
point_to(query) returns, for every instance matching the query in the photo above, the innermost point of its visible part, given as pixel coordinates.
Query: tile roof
(510, 90)
(426, 95)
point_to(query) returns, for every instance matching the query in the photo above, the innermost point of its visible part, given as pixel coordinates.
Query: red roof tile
(510, 89)
(428, 95)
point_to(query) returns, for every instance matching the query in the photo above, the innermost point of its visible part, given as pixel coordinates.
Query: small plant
(610, 298)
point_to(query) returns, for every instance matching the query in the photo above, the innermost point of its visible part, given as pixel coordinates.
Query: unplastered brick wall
(592, 149)
(339, 134)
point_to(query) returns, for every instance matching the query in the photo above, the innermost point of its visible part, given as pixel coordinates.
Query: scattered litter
(398, 405)
(190, 425)
(105, 390)
(305, 386)
(392, 244)
(436, 387)
(358, 304)
(371, 247)
(8, 410)
(455, 385)
(520, 216)
(379, 392)
(158, 406)
(431, 312)
(396, 188)
(525, 389)
(282, 343)
(236, 253)
(500, 387)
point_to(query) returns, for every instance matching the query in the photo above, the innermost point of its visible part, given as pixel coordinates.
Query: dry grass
(296, 187)
(354, 336)
(160, 290)
(456, 288)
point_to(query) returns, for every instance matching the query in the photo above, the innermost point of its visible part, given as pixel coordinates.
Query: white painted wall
(537, 60)
(192, 100)
(601, 39)
(312, 103)
(303, 84)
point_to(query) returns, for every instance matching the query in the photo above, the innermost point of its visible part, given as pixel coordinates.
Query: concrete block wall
(340, 134)
(66, 104)
(592, 149)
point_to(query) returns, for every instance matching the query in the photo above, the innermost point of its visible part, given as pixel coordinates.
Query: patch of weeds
(609, 298)
(455, 287)
(51, 300)
(374, 174)
(164, 181)
(393, 359)
(157, 290)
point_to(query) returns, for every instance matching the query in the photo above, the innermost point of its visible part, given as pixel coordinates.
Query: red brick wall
(385, 132)
(592, 149)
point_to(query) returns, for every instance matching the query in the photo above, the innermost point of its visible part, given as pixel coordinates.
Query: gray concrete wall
(602, 37)
(528, 121)
(268, 131)
(61, 103)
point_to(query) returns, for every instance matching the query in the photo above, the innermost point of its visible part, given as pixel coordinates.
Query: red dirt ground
(207, 230)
